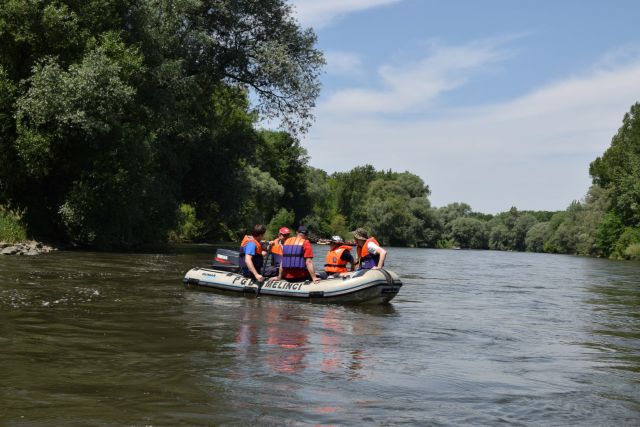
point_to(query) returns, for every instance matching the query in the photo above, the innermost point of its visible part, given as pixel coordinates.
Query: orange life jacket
(276, 252)
(257, 258)
(248, 238)
(334, 261)
(368, 260)
(276, 247)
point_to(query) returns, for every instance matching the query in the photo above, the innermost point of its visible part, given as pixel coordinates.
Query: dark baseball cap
(303, 229)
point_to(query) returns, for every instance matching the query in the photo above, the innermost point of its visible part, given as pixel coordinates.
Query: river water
(473, 338)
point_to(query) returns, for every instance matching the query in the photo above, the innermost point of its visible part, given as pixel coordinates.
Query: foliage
(632, 252)
(618, 171)
(282, 218)
(282, 156)
(115, 113)
(11, 228)
(619, 168)
(536, 237)
(189, 227)
(338, 226)
(124, 122)
(469, 233)
(629, 237)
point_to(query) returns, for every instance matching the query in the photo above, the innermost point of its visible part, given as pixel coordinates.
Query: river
(473, 338)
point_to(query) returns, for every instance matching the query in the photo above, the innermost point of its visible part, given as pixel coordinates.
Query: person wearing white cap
(338, 257)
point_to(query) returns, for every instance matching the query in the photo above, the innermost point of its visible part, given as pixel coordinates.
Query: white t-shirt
(373, 248)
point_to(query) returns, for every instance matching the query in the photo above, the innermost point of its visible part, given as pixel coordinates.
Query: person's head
(258, 231)
(284, 232)
(360, 235)
(303, 232)
(336, 241)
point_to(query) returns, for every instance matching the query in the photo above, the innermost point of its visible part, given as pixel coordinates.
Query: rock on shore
(29, 248)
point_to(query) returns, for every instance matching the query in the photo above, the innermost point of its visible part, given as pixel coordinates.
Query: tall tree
(114, 112)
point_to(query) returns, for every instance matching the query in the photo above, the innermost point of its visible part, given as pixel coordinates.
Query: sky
(495, 103)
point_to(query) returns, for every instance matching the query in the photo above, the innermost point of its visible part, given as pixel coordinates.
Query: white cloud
(342, 63)
(417, 84)
(532, 152)
(320, 13)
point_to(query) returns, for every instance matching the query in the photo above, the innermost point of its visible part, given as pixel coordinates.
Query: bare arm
(248, 259)
(311, 270)
(383, 255)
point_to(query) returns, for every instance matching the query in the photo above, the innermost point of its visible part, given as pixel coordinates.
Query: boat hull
(362, 287)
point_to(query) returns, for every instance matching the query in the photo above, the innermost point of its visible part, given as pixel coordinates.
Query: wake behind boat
(360, 287)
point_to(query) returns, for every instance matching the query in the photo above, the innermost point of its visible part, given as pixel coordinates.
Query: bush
(189, 227)
(11, 228)
(629, 238)
(633, 252)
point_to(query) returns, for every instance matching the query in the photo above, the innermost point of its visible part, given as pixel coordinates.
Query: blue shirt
(250, 248)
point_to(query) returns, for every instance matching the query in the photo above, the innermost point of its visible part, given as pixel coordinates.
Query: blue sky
(495, 103)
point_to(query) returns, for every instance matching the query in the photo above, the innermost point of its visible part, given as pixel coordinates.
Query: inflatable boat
(360, 287)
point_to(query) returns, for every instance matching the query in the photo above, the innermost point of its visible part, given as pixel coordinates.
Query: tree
(500, 237)
(114, 113)
(263, 193)
(520, 229)
(618, 170)
(469, 233)
(537, 236)
(350, 189)
(282, 218)
(280, 154)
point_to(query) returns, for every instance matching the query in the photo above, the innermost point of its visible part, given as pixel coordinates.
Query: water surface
(473, 338)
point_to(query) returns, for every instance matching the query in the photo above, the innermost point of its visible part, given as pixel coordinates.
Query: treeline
(125, 122)
(396, 208)
(605, 224)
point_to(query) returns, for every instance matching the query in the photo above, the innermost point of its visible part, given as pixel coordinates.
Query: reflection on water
(286, 337)
(473, 338)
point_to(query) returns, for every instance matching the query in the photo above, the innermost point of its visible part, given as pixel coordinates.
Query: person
(338, 257)
(370, 254)
(276, 246)
(251, 256)
(297, 258)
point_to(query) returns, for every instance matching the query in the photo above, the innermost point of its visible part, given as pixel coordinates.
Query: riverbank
(27, 248)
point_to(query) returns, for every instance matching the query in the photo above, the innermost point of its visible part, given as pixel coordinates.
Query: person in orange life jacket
(297, 258)
(251, 255)
(370, 254)
(338, 257)
(276, 246)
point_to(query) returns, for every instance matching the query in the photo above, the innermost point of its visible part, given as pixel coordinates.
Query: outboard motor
(226, 260)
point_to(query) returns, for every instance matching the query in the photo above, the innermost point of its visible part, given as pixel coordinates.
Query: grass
(11, 228)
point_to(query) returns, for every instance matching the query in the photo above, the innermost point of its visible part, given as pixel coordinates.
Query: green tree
(338, 226)
(500, 237)
(282, 218)
(537, 235)
(469, 233)
(280, 154)
(520, 229)
(114, 113)
(350, 189)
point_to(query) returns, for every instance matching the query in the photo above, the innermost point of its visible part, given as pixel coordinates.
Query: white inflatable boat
(361, 287)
